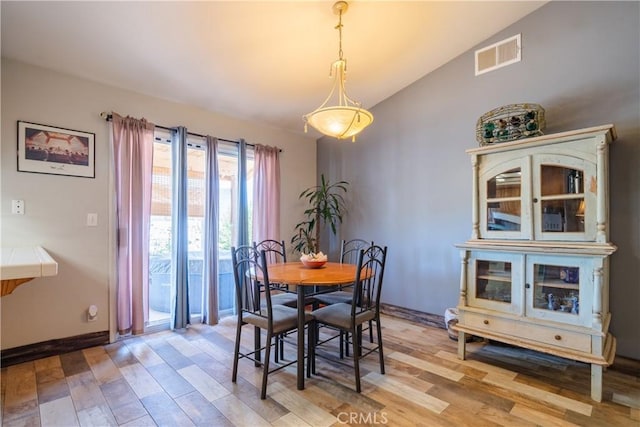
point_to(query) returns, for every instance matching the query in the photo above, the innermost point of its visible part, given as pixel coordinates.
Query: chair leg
(311, 345)
(357, 338)
(371, 331)
(346, 344)
(282, 346)
(380, 353)
(236, 352)
(265, 372)
(256, 345)
(276, 350)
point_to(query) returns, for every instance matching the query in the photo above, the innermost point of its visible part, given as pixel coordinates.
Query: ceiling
(266, 61)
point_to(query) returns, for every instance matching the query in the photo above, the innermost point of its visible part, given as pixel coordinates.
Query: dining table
(297, 274)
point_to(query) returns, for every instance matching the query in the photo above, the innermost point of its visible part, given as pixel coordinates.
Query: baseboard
(413, 315)
(27, 353)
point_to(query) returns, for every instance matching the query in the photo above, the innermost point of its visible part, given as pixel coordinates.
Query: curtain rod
(108, 117)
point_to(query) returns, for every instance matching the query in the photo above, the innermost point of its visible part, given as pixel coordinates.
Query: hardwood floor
(183, 378)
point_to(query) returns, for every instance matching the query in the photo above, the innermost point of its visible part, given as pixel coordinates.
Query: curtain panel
(180, 316)
(211, 217)
(132, 145)
(266, 193)
(242, 220)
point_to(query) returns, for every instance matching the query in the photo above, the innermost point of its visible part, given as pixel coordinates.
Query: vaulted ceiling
(266, 61)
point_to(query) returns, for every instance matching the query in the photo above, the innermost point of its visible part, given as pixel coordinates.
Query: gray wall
(57, 206)
(411, 178)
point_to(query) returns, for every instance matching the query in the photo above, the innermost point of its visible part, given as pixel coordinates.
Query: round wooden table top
(295, 273)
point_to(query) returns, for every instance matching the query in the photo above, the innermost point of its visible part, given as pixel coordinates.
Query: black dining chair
(349, 251)
(275, 319)
(364, 307)
(276, 252)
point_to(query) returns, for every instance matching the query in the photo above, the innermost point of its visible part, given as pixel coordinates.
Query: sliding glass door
(160, 285)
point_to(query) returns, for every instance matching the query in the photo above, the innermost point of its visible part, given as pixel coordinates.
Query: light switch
(92, 220)
(17, 207)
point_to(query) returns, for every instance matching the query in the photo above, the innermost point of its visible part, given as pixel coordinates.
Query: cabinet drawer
(541, 334)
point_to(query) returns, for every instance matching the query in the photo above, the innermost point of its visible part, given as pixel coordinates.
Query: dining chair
(349, 252)
(275, 319)
(276, 252)
(364, 306)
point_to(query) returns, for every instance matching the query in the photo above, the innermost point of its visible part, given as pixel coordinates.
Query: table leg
(300, 292)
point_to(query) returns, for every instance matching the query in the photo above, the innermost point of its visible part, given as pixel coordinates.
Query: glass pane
(563, 215)
(195, 213)
(493, 280)
(506, 184)
(557, 288)
(503, 216)
(160, 235)
(558, 180)
(228, 169)
(504, 204)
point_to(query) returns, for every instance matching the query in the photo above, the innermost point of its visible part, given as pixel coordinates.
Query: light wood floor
(183, 378)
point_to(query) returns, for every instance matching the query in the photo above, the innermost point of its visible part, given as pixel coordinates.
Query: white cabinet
(535, 271)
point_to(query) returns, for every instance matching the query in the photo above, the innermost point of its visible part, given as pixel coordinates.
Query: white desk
(19, 265)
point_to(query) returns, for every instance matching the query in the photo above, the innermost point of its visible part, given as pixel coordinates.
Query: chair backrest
(275, 250)
(368, 285)
(350, 249)
(248, 266)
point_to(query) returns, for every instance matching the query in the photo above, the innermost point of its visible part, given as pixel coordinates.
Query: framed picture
(57, 151)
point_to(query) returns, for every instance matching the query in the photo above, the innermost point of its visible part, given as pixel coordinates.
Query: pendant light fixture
(344, 117)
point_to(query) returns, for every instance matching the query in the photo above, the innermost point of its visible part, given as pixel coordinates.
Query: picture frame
(55, 151)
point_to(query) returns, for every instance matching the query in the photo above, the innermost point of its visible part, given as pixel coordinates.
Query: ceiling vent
(498, 55)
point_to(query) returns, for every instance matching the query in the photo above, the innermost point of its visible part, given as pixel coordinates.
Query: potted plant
(326, 206)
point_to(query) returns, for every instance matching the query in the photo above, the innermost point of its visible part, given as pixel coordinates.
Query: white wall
(411, 178)
(57, 206)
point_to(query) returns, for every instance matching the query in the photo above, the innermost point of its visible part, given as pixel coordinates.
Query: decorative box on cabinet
(535, 272)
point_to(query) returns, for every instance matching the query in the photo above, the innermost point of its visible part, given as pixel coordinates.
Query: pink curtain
(132, 142)
(266, 193)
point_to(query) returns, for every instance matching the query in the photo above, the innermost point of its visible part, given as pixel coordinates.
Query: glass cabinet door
(504, 203)
(495, 281)
(555, 288)
(564, 199)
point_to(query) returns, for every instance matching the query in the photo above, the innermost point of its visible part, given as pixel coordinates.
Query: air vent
(498, 55)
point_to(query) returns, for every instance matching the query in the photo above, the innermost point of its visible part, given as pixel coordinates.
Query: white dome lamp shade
(345, 118)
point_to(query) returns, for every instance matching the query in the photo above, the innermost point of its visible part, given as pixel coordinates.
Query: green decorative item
(326, 207)
(510, 122)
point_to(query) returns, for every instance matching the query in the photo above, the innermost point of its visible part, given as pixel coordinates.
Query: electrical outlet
(17, 207)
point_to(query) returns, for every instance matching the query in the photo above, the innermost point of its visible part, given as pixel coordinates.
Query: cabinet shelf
(497, 277)
(566, 196)
(559, 284)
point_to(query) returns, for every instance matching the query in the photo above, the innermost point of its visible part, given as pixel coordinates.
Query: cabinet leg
(596, 382)
(462, 342)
